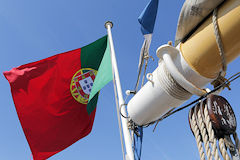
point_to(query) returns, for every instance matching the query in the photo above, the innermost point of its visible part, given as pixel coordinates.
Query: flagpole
(126, 132)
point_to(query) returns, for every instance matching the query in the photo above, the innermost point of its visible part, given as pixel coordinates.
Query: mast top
(108, 23)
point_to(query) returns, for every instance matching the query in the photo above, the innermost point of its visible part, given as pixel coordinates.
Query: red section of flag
(50, 117)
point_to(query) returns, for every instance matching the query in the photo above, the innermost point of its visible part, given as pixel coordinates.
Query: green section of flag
(92, 54)
(103, 76)
(92, 104)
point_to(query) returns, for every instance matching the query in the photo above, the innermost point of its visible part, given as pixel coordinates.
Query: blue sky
(33, 30)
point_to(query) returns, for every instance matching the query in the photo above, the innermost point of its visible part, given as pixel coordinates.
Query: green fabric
(91, 57)
(103, 76)
(92, 104)
(92, 54)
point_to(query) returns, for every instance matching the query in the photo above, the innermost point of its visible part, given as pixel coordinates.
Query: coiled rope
(169, 84)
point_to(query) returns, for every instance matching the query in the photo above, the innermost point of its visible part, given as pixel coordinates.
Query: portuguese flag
(51, 96)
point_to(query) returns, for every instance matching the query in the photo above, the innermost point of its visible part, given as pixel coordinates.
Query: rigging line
(161, 119)
(143, 57)
(226, 83)
(212, 137)
(144, 73)
(179, 109)
(141, 65)
(145, 68)
(219, 42)
(136, 137)
(119, 121)
(118, 116)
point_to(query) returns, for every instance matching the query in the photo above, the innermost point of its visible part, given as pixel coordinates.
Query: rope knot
(219, 81)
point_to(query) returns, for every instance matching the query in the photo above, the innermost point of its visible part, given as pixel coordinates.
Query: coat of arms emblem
(82, 83)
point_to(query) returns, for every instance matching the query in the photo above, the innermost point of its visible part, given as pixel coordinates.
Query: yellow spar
(201, 51)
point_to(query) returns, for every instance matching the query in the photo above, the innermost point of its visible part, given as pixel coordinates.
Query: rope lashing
(169, 84)
(220, 79)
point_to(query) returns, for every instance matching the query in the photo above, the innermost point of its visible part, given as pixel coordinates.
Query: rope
(143, 54)
(231, 147)
(211, 134)
(237, 143)
(139, 71)
(137, 138)
(219, 41)
(170, 85)
(220, 79)
(223, 149)
(197, 136)
(205, 126)
(228, 143)
(201, 126)
(204, 135)
(145, 68)
(166, 114)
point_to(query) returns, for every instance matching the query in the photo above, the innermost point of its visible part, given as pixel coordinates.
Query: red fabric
(50, 117)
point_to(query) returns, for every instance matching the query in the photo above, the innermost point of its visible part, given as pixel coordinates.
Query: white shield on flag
(86, 85)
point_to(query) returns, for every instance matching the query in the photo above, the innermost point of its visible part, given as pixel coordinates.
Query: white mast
(126, 132)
